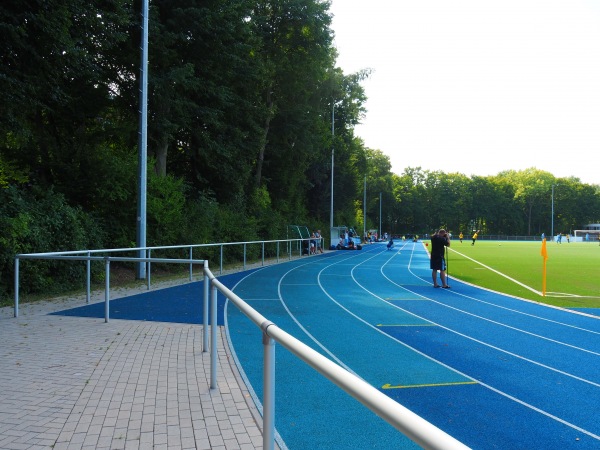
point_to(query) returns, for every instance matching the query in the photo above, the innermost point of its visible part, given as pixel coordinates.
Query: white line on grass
(499, 273)
(548, 294)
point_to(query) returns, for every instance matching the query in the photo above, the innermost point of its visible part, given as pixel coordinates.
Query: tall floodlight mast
(332, 158)
(143, 144)
(380, 231)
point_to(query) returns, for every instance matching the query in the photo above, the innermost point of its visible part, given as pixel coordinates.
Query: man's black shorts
(437, 264)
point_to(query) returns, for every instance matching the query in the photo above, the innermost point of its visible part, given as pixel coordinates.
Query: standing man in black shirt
(439, 242)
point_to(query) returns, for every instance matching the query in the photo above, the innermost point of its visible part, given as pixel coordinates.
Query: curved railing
(413, 426)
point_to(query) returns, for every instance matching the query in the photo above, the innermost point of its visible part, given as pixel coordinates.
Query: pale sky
(477, 86)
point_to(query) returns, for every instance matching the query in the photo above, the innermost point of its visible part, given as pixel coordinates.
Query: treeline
(246, 107)
(509, 203)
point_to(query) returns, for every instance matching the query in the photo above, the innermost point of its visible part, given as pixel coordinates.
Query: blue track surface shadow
(178, 304)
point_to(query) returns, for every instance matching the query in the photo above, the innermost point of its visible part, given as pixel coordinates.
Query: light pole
(143, 145)
(365, 209)
(332, 160)
(380, 232)
(552, 226)
(367, 167)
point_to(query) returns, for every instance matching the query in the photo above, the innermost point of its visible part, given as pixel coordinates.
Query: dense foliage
(242, 98)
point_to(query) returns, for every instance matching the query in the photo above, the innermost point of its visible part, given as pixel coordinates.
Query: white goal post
(586, 235)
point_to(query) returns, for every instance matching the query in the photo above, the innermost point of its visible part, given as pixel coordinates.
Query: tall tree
(532, 189)
(295, 42)
(57, 77)
(205, 105)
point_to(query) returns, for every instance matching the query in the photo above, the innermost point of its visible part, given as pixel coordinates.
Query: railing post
(191, 265)
(269, 388)
(263, 253)
(16, 286)
(244, 256)
(148, 271)
(213, 341)
(277, 251)
(221, 267)
(88, 278)
(206, 286)
(107, 290)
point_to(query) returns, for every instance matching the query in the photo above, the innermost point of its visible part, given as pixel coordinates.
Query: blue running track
(493, 371)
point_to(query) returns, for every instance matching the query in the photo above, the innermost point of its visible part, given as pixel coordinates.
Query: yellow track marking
(457, 383)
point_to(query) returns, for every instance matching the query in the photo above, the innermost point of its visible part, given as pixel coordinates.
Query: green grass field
(515, 268)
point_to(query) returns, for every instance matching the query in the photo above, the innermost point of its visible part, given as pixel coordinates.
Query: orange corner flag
(545, 256)
(544, 249)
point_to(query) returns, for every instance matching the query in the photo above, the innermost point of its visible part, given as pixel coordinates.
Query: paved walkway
(77, 383)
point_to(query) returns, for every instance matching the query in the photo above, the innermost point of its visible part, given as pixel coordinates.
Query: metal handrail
(107, 260)
(162, 247)
(410, 424)
(88, 256)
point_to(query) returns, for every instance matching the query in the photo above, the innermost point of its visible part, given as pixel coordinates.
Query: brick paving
(69, 383)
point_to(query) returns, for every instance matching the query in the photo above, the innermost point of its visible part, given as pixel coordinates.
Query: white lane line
(504, 394)
(293, 317)
(514, 310)
(490, 345)
(516, 329)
